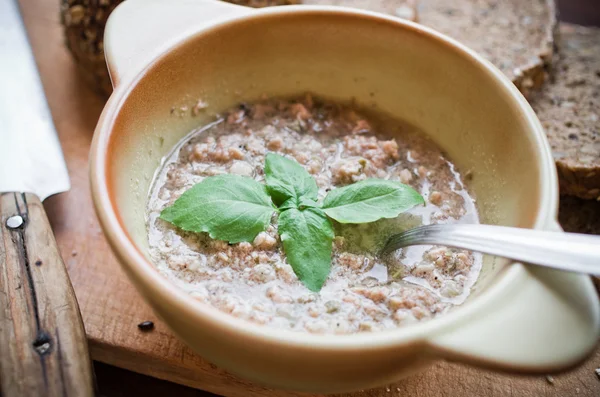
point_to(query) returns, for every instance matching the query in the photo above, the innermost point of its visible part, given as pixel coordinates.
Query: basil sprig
(236, 208)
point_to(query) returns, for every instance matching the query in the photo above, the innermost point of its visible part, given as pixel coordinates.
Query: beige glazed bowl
(164, 54)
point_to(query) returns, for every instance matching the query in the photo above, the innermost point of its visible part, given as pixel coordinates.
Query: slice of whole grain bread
(580, 216)
(83, 23)
(569, 108)
(515, 35)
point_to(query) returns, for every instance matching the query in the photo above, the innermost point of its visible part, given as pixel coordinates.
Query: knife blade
(31, 158)
(43, 346)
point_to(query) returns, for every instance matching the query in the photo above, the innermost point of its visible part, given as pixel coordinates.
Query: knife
(43, 347)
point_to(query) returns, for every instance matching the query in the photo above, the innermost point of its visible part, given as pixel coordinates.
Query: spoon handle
(566, 251)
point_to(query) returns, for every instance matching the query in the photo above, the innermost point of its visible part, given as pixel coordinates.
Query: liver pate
(338, 145)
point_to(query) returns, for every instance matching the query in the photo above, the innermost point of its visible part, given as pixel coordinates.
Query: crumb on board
(146, 326)
(550, 379)
(597, 371)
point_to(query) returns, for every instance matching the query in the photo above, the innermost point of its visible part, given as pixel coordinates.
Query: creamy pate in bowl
(338, 145)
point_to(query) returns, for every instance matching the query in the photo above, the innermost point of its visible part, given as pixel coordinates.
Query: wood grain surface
(43, 346)
(112, 309)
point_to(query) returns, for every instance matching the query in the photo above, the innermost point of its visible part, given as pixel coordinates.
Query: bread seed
(146, 326)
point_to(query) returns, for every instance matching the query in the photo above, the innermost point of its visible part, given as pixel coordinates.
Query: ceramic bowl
(167, 54)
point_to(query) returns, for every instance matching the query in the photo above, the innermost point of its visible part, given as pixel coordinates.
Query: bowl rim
(135, 263)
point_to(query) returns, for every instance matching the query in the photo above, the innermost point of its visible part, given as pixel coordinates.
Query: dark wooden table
(575, 215)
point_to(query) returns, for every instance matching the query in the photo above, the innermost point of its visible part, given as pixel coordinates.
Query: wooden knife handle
(43, 347)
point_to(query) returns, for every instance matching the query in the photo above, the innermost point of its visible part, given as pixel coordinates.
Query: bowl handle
(137, 31)
(544, 320)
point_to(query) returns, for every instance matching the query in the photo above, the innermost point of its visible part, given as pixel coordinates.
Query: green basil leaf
(370, 200)
(305, 202)
(307, 237)
(228, 207)
(287, 179)
(300, 203)
(289, 203)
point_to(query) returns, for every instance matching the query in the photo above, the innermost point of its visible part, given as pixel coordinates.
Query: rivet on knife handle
(43, 347)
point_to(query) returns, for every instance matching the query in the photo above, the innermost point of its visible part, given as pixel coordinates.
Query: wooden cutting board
(111, 307)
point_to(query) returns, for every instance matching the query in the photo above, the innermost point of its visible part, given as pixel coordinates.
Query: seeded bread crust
(569, 108)
(83, 22)
(515, 35)
(579, 216)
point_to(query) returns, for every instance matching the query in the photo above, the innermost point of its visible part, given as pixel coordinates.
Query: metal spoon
(566, 251)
